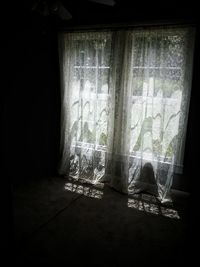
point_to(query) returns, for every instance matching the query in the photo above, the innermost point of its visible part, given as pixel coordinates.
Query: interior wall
(31, 100)
(191, 156)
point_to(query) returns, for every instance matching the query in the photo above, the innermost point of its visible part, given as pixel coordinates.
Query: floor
(58, 221)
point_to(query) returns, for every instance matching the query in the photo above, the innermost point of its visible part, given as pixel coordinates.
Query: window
(158, 80)
(125, 102)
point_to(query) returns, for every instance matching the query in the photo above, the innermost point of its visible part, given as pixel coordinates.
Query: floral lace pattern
(125, 98)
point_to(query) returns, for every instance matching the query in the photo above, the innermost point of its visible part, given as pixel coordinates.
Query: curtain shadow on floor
(142, 201)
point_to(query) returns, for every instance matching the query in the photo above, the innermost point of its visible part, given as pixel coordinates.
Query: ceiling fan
(46, 7)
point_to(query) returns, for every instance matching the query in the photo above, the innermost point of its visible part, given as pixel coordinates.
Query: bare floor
(58, 221)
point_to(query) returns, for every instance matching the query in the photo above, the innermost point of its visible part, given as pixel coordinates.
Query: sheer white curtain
(125, 98)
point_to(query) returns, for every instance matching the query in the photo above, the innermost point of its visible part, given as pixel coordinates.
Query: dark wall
(30, 106)
(31, 98)
(191, 156)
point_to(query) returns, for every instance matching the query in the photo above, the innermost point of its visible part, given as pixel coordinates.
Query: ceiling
(85, 12)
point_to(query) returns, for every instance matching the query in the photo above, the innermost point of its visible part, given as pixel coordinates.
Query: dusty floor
(58, 222)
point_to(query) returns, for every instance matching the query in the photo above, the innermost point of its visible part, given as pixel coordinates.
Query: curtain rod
(124, 25)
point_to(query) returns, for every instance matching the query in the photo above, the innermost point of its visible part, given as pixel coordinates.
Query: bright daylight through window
(125, 100)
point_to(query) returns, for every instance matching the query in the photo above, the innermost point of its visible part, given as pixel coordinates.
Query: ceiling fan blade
(58, 9)
(104, 2)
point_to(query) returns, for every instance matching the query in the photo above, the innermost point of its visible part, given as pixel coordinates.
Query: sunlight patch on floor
(84, 190)
(153, 208)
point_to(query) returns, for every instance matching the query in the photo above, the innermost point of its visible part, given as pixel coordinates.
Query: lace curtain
(125, 98)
